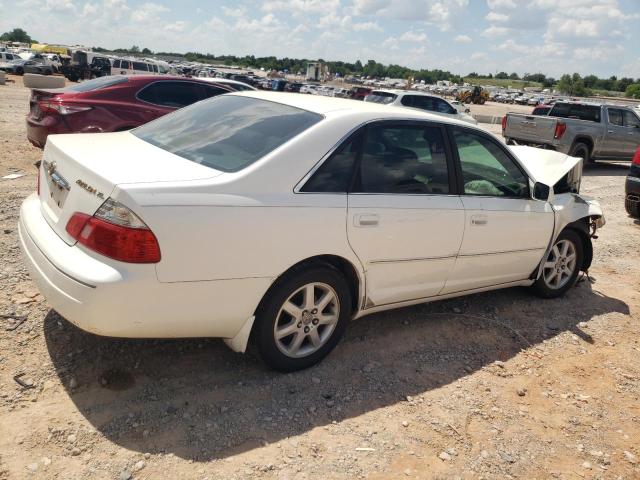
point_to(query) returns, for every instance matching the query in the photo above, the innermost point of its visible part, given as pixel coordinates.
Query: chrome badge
(84, 185)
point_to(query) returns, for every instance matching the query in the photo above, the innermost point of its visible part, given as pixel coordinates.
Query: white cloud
(497, 17)
(462, 39)
(177, 26)
(412, 36)
(234, 12)
(147, 11)
(494, 31)
(391, 43)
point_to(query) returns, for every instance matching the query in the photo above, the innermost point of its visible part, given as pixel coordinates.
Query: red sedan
(112, 104)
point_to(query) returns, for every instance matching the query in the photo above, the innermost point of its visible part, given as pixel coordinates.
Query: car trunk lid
(80, 171)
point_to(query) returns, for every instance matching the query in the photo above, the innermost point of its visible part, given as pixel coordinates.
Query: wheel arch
(581, 227)
(347, 269)
(588, 141)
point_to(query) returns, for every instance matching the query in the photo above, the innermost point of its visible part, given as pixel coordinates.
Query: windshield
(228, 132)
(381, 97)
(97, 83)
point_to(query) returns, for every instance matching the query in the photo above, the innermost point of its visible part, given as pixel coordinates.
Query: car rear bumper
(39, 130)
(632, 195)
(116, 299)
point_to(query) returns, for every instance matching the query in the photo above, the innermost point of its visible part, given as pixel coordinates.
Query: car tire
(293, 329)
(581, 150)
(19, 71)
(561, 267)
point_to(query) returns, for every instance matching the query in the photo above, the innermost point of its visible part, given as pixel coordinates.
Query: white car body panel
(226, 237)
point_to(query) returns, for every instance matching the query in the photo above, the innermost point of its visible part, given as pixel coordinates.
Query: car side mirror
(541, 191)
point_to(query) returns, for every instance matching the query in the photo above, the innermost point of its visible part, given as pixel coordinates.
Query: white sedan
(285, 216)
(420, 100)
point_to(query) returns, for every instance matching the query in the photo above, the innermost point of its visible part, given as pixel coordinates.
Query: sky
(553, 37)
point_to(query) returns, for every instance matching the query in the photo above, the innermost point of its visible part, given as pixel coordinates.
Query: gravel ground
(490, 386)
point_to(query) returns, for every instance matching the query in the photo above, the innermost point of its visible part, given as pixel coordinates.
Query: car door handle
(366, 220)
(479, 219)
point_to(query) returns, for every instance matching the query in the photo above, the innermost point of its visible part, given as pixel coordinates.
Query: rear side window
(227, 133)
(381, 97)
(403, 159)
(125, 64)
(334, 175)
(170, 94)
(116, 64)
(578, 111)
(140, 66)
(211, 91)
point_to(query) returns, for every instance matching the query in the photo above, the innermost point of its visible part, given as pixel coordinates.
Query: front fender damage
(582, 214)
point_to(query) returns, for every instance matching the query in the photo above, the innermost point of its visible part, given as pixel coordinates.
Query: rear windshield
(381, 97)
(227, 133)
(576, 110)
(97, 83)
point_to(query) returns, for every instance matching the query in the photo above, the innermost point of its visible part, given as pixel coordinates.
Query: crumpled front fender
(572, 209)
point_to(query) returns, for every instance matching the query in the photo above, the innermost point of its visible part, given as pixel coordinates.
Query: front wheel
(561, 267)
(581, 150)
(302, 318)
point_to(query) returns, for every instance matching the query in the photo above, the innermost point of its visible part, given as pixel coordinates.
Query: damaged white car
(281, 217)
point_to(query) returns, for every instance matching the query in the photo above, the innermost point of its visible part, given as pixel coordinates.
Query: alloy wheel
(560, 264)
(306, 320)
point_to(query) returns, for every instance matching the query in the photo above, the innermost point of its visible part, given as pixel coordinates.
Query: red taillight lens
(636, 157)
(52, 106)
(126, 244)
(561, 127)
(504, 123)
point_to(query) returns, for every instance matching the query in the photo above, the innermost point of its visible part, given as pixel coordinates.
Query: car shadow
(607, 169)
(198, 400)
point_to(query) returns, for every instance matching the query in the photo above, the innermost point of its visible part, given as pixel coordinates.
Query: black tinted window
(211, 91)
(227, 132)
(615, 116)
(171, 94)
(403, 159)
(442, 106)
(334, 175)
(381, 97)
(140, 66)
(125, 64)
(576, 110)
(486, 168)
(116, 64)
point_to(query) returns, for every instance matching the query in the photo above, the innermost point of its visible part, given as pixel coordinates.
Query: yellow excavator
(477, 95)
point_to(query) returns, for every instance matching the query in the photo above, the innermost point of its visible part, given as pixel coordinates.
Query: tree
(514, 76)
(623, 83)
(17, 35)
(146, 51)
(633, 91)
(502, 75)
(473, 75)
(134, 49)
(572, 85)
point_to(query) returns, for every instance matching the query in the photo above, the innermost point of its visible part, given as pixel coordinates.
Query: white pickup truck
(586, 130)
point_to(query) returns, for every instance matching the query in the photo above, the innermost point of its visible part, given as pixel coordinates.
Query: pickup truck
(585, 130)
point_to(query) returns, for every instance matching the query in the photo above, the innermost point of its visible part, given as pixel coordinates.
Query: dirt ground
(499, 385)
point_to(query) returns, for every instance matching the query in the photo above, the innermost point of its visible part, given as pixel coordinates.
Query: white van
(7, 57)
(133, 67)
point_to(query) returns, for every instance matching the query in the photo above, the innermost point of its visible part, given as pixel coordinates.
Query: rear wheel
(581, 150)
(561, 267)
(19, 71)
(302, 318)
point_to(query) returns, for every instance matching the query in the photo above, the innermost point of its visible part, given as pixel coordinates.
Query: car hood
(547, 166)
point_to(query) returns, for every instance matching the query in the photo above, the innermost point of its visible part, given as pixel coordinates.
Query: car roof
(406, 92)
(332, 106)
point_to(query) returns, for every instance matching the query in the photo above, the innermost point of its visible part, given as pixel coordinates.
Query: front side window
(335, 174)
(486, 168)
(211, 91)
(227, 132)
(615, 116)
(630, 119)
(443, 107)
(381, 97)
(403, 159)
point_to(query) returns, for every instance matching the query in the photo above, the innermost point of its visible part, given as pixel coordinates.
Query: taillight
(504, 123)
(49, 106)
(115, 232)
(636, 157)
(561, 127)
